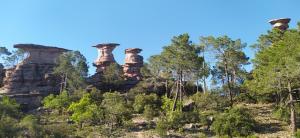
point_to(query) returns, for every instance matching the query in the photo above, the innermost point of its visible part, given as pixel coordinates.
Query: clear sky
(145, 24)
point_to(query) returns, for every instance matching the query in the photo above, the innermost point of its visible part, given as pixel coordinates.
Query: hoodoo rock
(105, 56)
(282, 23)
(133, 64)
(32, 77)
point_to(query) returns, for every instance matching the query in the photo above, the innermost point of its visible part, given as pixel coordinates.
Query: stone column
(105, 56)
(133, 64)
(281, 23)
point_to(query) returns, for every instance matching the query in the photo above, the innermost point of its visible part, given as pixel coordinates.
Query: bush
(297, 134)
(142, 100)
(85, 110)
(150, 112)
(9, 107)
(245, 98)
(30, 127)
(116, 109)
(8, 127)
(234, 122)
(162, 127)
(281, 113)
(210, 101)
(61, 130)
(59, 102)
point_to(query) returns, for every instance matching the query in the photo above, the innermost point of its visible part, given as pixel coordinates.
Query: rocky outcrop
(133, 64)
(281, 23)
(105, 56)
(33, 76)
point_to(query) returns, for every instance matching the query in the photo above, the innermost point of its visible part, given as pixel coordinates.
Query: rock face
(33, 76)
(105, 56)
(133, 64)
(281, 23)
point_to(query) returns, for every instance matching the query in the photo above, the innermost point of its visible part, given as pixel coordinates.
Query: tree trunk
(203, 67)
(197, 86)
(204, 85)
(228, 83)
(176, 96)
(292, 108)
(166, 85)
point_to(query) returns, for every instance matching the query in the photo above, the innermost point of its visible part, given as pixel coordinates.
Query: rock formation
(105, 56)
(33, 76)
(133, 64)
(282, 23)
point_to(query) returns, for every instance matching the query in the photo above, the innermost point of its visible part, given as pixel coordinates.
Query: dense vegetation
(172, 99)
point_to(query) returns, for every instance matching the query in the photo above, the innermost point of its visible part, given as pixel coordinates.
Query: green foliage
(9, 107)
(4, 51)
(297, 134)
(30, 127)
(85, 110)
(60, 130)
(142, 100)
(59, 102)
(276, 64)
(210, 101)
(8, 127)
(229, 69)
(14, 57)
(116, 110)
(73, 69)
(113, 74)
(150, 112)
(246, 98)
(282, 113)
(162, 127)
(235, 122)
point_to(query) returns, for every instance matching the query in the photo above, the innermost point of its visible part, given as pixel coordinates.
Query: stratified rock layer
(105, 56)
(133, 64)
(281, 23)
(33, 76)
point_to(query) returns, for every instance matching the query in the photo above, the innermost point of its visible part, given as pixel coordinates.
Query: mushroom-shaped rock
(105, 55)
(132, 57)
(281, 23)
(133, 64)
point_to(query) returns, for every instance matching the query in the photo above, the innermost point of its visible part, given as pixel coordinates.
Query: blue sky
(145, 24)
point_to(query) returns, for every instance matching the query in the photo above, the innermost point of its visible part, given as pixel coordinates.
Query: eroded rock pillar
(133, 64)
(105, 56)
(281, 23)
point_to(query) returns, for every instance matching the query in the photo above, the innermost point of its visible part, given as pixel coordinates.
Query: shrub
(61, 130)
(116, 109)
(246, 98)
(85, 110)
(281, 113)
(162, 127)
(59, 102)
(9, 107)
(150, 112)
(30, 127)
(210, 101)
(234, 122)
(142, 100)
(8, 127)
(297, 134)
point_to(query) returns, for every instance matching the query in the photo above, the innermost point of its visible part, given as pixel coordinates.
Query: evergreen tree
(276, 67)
(73, 69)
(229, 68)
(181, 59)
